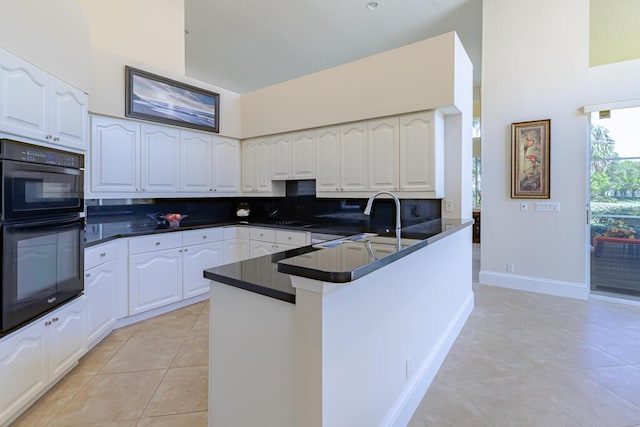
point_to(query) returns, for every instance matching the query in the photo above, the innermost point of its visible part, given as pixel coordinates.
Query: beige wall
(53, 35)
(415, 77)
(152, 31)
(146, 34)
(614, 31)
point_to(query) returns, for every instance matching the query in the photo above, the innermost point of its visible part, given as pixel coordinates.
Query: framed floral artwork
(530, 168)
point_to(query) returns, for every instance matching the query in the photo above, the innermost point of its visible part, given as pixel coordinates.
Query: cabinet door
(328, 167)
(261, 248)
(236, 250)
(354, 157)
(24, 97)
(226, 165)
(281, 157)
(249, 151)
(155, 279)
(303, 155)
(114, 155)
(68, 114)
(196, 259)
(100, 287)
(383, 154)
(262, 168)
(159, 149)
(67, 338)
(419, 159)
(281, 247)
(196, 161)
(23, 368)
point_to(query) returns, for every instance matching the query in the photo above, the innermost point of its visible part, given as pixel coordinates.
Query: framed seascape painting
(530, 149)
(158, 99)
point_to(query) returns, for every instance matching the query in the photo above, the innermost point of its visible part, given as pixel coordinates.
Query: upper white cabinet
(383, 154)
(37, 105)
(256, 176)
(115, 152)
(404, 154)
(422, 153)
(195, 161)
(354, 153)
(329, 159)
(129, 157)
(226, 164)
(293, 155)
(159, 154)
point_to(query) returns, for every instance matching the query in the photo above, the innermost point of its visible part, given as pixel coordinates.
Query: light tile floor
(522, 359)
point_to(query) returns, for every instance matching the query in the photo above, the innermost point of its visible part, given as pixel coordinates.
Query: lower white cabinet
(155, 279)
(100, 287)
(39, 354)
(265, 241)
(195, 259)
(236, 250)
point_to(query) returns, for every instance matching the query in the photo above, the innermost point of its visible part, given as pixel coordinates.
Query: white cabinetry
(195, 161)
(328, 178)
(38, 355)
(265, 241)
(155, 271)
(115, 152)
(130, 158)
(342, 158)
(202, 249)
(159, 154)
(256, 175)
(36, 105)
(422, 153)
(100, 286)
(237, 244)
(293, 155)
(383, 154)
(226, 164)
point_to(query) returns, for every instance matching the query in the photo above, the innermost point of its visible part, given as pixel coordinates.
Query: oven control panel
(14, 150)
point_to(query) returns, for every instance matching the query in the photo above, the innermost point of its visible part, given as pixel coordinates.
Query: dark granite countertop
(340, 263)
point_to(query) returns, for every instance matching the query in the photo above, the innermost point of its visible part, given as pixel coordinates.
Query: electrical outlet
(448, 205)
(510, 267)
(524, 206)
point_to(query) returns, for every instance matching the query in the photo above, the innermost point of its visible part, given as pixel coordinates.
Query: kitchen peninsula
(350, 332)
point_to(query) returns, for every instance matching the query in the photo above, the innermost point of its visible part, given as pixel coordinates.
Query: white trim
(130, 320)
(615, 299)
(535, 284)
(614, 105)
(401, 412)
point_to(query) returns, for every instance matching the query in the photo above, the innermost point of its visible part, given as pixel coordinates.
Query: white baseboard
(535, 284)
(405, 406)
(130, 320)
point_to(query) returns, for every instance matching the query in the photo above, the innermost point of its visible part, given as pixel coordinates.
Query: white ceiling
(243, 45)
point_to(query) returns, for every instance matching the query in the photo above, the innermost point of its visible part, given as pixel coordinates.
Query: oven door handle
(39, 224)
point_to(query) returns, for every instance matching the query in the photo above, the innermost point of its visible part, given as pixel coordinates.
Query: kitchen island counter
(361, 351)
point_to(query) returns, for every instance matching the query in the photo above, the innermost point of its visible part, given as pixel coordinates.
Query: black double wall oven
(42, 230)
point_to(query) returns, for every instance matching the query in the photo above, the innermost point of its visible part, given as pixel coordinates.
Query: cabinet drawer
(296, 238)
(97, 255)
(155, 242)
(263, 234)
(232, 233)
(205, 235)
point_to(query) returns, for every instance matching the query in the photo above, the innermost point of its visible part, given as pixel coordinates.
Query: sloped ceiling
(244, 45)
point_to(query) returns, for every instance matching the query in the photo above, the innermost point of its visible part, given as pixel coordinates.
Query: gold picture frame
(531, 155)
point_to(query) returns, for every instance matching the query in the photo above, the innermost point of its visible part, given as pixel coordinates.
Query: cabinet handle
(179, 250)
(55, 138)
(211, 189)
(103, 254)
(55, 319)
(157, 243)
(47, 137)
(204, 237)
(87, 275)
(186, 250)
(289, 237)
(48, 323)
(215, 189)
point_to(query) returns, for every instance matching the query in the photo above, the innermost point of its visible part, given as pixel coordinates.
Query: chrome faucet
(367, 211)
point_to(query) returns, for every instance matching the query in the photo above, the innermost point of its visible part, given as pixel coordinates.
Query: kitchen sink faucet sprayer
(367, 211)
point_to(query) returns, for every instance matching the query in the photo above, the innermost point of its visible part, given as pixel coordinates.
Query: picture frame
(155, 98)
(531, 159)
